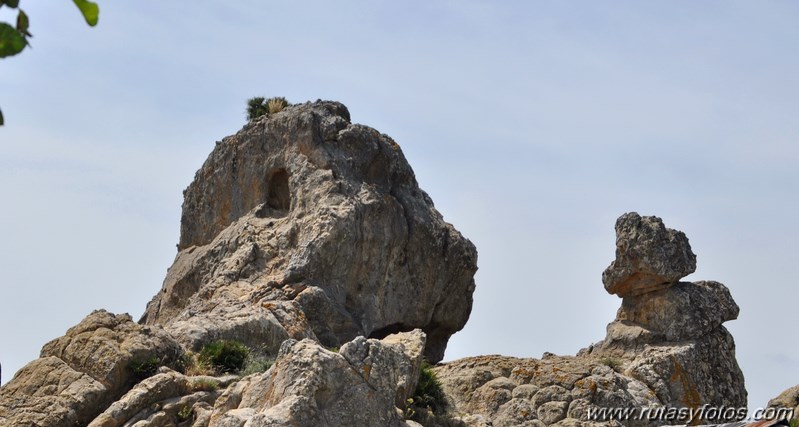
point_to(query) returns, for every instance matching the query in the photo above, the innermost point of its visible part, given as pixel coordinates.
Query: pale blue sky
(532, 125)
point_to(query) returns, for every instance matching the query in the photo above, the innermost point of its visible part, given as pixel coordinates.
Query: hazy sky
(532, 125)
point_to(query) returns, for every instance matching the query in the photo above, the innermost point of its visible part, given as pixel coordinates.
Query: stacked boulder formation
(306, 238)
(665, 352)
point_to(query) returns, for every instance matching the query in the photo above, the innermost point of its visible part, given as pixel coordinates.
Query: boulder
(786, 403)
(649, 256)
(305, 225)
(365, 384)
(81, 373)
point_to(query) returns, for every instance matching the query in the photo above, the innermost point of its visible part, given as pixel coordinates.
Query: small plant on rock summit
(260, 106)
(204, 384)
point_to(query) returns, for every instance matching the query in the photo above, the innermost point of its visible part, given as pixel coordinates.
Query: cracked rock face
(305, 225)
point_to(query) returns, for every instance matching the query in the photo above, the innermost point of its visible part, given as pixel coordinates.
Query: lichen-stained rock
(81, 373)
(681, 312)
(511, 391)
(361, 385)
(49, 393)
(649, 256)
(305, 225)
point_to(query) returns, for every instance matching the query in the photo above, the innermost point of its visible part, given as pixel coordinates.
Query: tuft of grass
(794, 422)
(204, 384)
(612, 363)
(276, 104)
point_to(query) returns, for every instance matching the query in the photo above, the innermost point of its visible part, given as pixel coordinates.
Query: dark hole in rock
(278, 195)
(390, 329)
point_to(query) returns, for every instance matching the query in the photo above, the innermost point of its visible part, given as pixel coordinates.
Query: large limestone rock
(305, 225)
(786, 405)
(365, 384)
(649, 256)
(81, 373)
(666, 349)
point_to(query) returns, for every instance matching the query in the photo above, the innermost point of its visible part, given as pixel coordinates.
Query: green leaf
(90, 11)
(11, 41)
(10, 3)
(23, 24)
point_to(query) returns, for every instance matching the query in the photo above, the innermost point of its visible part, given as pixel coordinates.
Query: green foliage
(90, 11)
(224, 356)
(14, 39)
(428, 395)
(794, 422)
(185, 413)
(141, 369)
(256, 107)
(260, 106)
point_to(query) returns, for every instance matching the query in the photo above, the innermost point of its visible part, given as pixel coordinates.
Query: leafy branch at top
(14, 38)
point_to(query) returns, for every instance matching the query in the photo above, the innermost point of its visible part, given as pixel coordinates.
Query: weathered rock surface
(649, 256)
(81, 373)
(788, 399)
(305, 225)
(667, 348)
(365, 384)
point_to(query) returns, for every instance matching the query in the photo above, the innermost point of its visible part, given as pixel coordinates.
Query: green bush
(142, 369)
(260, 106)
(224, 356)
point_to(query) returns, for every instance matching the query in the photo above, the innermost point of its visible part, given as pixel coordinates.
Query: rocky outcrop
(304, 233)
(666, 349)
(365, 384)
(786, 405)
(82, 372)
(305, 225)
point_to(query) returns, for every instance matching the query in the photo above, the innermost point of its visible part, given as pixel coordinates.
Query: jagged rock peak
(649, 256)
(306, 225)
